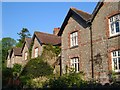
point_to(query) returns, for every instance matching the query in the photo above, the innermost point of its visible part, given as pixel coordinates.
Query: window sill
(73, 47)
(114, 36)
(117, 72)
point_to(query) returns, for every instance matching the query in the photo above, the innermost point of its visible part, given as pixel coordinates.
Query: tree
(24, 33)
(7, 43)
(0, 54)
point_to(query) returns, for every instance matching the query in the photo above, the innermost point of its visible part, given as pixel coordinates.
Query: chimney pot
(56, 30)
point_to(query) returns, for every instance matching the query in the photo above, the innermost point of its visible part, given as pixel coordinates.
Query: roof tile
(46, 38)
(17, 51)
(83, 14)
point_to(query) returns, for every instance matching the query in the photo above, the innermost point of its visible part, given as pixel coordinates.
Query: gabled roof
(77, 13)
(86, 16)
(16, 50)
(27, 42)
(45, 38)
(98, 6)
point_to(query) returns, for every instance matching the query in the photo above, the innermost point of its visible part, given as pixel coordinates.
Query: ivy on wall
(30, 49)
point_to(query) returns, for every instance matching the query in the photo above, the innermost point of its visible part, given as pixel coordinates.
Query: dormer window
(114, 25)
(74, 39)
(36, 52)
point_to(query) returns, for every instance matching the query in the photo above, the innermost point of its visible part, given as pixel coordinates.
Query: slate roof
(86, 16)
(28, 41)
(77, 13)
(46, 38)
(17, 51)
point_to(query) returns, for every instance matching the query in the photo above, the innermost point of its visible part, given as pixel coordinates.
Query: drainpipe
(61, 66)
(91, 44)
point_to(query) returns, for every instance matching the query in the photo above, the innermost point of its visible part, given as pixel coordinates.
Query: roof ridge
(73, 8)
(27, 37)
(46, 33)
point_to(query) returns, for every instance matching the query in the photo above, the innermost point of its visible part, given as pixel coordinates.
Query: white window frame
(26, 55)
(75, 64)
(36, 52)
(74, 39)
(112, 25)
(116, 60)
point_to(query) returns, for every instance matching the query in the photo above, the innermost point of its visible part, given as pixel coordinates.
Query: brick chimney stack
(56, 30)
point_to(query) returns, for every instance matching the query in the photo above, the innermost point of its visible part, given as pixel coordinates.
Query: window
(26, 55)
(75, 64)
(36, 52)
(74, 39)
(13, 61)
(116, 60)
(114, 25)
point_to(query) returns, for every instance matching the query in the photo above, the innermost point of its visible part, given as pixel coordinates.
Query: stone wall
(103, 44)
(102, 41)
(82, 51)
(36, 45)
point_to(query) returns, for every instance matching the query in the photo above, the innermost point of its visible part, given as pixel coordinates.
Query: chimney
(56, 30)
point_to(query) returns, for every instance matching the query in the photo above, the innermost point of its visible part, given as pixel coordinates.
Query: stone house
(36, 44)
(90, 42)
(25, 51)
(15, 56)
(41, 39)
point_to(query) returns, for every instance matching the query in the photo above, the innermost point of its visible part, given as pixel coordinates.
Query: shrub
(37, 67)
(37, 82)
(16, 69)
(66, 81)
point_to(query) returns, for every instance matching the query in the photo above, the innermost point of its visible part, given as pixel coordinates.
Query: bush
(37, 67)
(66, 81)
(17, 68)
(6, 74)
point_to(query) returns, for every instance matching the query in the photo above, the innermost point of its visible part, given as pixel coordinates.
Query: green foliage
(112, 76)
(37, 82)
(19, 44)
(6, 74)
(66, 81)
(57, 50)
(38, 70)
(25, 79)
(17, 68)
(37, 67)
(24, 33)
(54, 49)
(30, 49)
(0, 55)
(7, 43)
